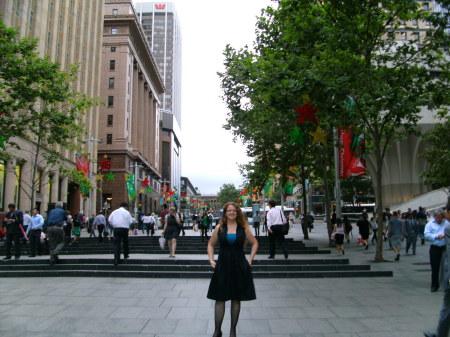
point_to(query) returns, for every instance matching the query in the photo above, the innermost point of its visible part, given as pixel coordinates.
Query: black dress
(232, 278)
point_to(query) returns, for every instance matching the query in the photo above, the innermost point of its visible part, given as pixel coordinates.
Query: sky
(210, 158)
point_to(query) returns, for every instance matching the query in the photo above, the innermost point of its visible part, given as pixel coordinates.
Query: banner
(351, 154)
(82, 163)
(268, 188)
(130, 187)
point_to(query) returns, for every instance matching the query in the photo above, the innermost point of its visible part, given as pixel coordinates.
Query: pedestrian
(387, 215)
(91, 227)
(26, 220)
(163, 214)
(68, 227)
(34, 233)
(444, 317)
(146, 224)
(181, 217)
(396, 233)
(434, 233)
(374, 226)
(100, 224)
(338, 235)
(256, 223)
(204, 226)
(13, 222)
(77, 221)
(310, 219)
(421, 221)
(171, 230)
(54, 223)
(275, 221)
(232, 279)
(412, 231)
(210, 222)
(347, 228)
(364, 229)
(121, 220)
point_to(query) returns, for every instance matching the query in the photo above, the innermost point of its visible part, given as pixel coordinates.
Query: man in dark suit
(13, 222)
(444, 317)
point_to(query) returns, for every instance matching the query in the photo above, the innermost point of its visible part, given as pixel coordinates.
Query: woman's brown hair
(240, 218)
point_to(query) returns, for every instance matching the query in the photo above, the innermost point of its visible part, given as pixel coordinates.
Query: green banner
(130, 187)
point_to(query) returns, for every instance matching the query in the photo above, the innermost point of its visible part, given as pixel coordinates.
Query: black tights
(219, 312)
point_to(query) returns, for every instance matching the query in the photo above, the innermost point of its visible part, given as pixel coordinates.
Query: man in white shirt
(275, 220)
(120, 219)
(26, 220)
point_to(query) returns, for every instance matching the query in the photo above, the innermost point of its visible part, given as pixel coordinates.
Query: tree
(437, 155)
(346, 58)
(227, 193)
(39, 105)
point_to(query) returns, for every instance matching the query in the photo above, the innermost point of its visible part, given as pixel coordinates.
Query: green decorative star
(149, 190)
(296, 136)
(110, 176)
(2, 141)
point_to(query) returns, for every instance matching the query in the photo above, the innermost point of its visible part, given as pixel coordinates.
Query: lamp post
(136, 171)
(91, 141)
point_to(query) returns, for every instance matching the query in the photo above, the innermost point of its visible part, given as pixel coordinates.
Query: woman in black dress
(232, 278)
(364, 224)
(171, 230)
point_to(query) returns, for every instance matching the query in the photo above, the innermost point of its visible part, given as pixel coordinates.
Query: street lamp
(91, 141)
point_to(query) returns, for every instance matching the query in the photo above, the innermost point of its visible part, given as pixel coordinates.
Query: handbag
(162, 242)
(285, 229)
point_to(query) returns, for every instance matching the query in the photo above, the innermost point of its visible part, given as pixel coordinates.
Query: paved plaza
(399, 306)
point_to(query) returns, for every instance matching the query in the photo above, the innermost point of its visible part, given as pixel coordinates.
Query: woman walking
(364, 225)
(347, 228)
(232, 278)
(204, 226)
(339, 233)
(171, 230)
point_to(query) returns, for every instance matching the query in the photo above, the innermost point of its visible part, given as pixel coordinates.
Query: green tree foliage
(334, 52)
(39, 104)
(227, 193)
(437, 155)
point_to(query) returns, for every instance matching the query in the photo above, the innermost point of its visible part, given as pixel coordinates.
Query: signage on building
(160, 6)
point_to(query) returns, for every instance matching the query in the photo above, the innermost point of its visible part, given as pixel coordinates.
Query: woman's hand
(250, 260)
(212, 263)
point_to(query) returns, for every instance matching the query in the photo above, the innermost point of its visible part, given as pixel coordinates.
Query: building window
(113, 49)
(111, 83)
(403, 35)
(113, 31)
(109, 120)
(109, 138)
(416, 36)
(112, 65)
(110, 101)
(115, 11)
(426, 6)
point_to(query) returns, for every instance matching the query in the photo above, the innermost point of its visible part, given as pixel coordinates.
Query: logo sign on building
(160, 6)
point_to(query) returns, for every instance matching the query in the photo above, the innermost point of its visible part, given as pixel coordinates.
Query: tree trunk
(379, 204)
(327, 204)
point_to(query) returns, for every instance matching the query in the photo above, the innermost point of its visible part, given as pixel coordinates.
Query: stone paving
(399, 306)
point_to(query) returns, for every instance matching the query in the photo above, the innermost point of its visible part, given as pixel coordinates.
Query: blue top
(433, 229)
(56, 217)
(231, 238)
(36, 222)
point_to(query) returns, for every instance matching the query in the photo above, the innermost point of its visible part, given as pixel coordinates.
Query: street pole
(336, 175)
(91, 140)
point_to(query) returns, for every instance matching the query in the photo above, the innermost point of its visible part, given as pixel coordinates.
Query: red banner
(82, 163)
(351, 154)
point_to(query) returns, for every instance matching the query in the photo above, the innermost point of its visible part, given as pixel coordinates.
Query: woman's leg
(174, 247)
(169, 243)
(235, 310)
(219, 312)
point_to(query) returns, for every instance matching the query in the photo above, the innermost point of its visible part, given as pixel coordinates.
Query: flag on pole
(351, 154)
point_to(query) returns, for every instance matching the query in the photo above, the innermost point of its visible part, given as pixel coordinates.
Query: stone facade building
(69, 32)
(129, 123)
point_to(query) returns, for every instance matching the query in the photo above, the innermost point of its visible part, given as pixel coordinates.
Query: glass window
(113, 31)
(111, 83)
(113, 49)
(109, 138)
(109, 120)
(115, 11)
(426, 6)
(110, 101)
(112, 65)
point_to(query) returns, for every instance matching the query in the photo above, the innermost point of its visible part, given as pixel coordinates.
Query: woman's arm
(212, 242)
(251, 239)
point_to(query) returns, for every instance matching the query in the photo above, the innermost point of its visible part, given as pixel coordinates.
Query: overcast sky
(209, 156)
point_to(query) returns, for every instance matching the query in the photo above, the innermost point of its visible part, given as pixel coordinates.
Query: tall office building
(69, 32)
(162, 29)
